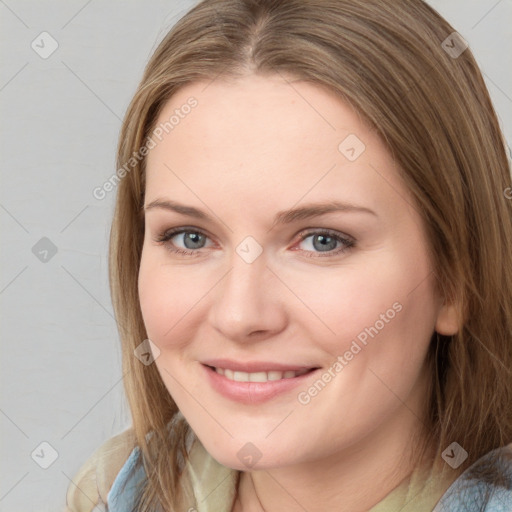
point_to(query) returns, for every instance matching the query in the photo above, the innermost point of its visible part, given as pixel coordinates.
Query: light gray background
(61, 378)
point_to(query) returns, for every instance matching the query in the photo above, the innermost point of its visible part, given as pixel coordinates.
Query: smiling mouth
(267, 376)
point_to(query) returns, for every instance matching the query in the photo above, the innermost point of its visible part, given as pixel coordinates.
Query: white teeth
(241, 377)
(260, 376)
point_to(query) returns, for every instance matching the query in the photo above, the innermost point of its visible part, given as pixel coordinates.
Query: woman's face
(267, 284)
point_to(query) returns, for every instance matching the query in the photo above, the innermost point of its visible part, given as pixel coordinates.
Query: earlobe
(447, 320)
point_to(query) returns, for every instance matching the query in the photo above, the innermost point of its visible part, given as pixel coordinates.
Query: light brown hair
(432, 110)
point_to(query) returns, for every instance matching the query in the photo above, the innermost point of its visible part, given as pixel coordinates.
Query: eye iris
(196, 238)
(324, 246)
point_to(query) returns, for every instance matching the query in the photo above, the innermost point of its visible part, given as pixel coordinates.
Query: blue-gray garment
(468, 494)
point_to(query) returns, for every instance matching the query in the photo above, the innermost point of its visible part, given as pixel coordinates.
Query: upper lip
(255, 366)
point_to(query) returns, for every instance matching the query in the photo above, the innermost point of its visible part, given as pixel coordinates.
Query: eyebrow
(282, 217)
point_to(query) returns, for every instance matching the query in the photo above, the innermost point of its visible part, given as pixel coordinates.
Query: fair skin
(253, 147)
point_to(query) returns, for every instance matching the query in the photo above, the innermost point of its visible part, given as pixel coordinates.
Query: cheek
(389, 305)
(164, 298)
(172, 299)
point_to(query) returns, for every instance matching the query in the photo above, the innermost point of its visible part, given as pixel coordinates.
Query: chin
(248, 456)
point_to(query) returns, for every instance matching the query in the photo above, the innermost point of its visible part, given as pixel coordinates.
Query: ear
(447, 322)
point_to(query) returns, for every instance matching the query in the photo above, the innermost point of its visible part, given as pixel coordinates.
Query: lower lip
(253, 392)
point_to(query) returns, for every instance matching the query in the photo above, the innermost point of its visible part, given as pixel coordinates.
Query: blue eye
(323, 241)
(197, 238)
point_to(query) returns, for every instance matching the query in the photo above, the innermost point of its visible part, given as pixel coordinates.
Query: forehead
(256, 109)
(261, 135)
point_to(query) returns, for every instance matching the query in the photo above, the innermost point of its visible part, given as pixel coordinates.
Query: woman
(341, 336)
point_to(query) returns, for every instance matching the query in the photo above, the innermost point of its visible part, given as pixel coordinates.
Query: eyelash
(165, 237)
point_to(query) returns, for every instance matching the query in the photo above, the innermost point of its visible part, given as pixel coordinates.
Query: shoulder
(486, 486)
(91, 484)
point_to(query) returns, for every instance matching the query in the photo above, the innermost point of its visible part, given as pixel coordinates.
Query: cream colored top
(91, 485)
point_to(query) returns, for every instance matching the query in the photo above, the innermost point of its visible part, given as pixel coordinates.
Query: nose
(248, 303)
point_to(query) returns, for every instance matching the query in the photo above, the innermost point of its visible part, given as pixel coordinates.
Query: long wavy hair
(389, 60)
